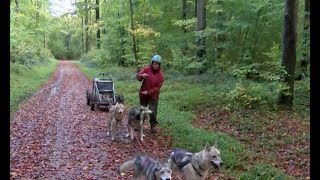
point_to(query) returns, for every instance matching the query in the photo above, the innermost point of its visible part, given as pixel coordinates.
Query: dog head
(163, 172)
(212, 155)
(145, 112)
(118, 108)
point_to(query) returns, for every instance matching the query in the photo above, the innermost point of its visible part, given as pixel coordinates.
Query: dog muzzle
(216, 164)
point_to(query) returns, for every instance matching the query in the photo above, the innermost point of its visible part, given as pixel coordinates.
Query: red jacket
(152, 83)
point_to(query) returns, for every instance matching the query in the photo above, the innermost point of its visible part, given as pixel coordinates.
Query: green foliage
(254, 95)
(264, 172)
(183, 63)
(28, 31)
(25, 81)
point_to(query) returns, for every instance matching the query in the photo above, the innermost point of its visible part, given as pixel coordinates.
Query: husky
(117, 112)
(195, 166)
(136, 118)
(146, 168)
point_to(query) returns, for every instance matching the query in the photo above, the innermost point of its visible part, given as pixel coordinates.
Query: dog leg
(131, 132)
(113, 126)
(141, 130)
(109, 126)
(128, 129)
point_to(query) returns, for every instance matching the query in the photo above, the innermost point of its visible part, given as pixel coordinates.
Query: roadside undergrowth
(25, 81)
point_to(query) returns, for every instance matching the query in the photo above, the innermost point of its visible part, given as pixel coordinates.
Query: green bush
(254, 95)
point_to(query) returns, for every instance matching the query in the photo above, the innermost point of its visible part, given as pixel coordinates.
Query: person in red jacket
(152, 80)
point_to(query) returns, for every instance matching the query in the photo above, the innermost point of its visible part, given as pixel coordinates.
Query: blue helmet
(156, 58)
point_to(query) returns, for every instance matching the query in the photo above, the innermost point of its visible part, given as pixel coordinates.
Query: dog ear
(207, 147)
(216, 144)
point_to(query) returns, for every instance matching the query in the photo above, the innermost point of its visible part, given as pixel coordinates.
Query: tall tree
(82, 39)
(184, 17)
(17, 6)
(122, 41)
(220, 38)
(86, 25)
(289, 50)
(97, 21)
(134, 45)
(201, 26)
(306, 45)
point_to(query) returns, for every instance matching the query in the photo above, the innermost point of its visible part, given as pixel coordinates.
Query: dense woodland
(266, 41)
(247, 58)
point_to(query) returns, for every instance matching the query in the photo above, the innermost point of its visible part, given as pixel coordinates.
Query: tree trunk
(134, 47)
(86, 27)
(244, 42)
(195, 8)
(306, 41)
(289, 51)
(82, 39)
(201, 26)
(184, 17)
(17, 6)
(97, 21)
(220, 38)
(122, 42)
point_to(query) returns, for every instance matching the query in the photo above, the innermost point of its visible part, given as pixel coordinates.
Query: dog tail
(126, 166)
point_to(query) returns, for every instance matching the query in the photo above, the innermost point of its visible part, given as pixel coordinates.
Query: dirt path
(55, 135)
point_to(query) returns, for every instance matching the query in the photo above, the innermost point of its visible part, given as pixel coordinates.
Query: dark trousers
(153, 106)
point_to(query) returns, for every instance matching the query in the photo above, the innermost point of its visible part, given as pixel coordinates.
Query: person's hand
(144, 75)
(144, 92)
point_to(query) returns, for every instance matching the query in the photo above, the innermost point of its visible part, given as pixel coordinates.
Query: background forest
(242, 41)
(241, 38)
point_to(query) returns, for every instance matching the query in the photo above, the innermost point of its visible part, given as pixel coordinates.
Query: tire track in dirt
(55, 135)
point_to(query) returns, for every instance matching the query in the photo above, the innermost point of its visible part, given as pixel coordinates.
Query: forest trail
(54, 134)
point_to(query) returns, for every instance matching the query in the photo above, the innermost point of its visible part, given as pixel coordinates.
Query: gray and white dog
(195, 166)
(146, 168)
(136, 118)
(116, 117)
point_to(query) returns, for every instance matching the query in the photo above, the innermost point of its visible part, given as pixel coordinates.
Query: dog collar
(115, 116)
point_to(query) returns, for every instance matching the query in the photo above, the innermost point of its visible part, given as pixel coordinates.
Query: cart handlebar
(104, 75)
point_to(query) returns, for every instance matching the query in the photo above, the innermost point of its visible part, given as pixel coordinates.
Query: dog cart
(103, 93)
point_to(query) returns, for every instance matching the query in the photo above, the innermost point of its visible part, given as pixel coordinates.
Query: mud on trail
(55, 135)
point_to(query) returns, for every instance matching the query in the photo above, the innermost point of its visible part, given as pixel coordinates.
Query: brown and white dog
(116, 117)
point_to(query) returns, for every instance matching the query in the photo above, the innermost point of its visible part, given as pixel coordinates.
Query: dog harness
(196, 169)
(187, 162)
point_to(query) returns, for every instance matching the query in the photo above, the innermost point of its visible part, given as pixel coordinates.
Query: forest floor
(55, 134)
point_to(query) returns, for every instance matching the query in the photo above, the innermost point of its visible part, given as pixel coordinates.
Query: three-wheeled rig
(103, 94)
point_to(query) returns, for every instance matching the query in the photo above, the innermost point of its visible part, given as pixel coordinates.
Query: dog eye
(214, 156)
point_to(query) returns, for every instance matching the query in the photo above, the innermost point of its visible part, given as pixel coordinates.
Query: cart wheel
(88, 97)
(88, 101)
(92, 107)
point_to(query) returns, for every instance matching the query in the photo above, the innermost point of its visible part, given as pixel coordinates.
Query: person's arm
(139, 75)
(157, 87)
